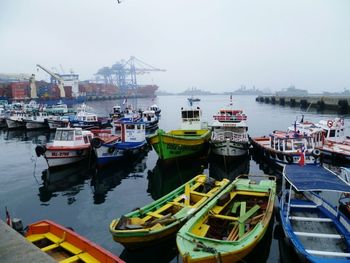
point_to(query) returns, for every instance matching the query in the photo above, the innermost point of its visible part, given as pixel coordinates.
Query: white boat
(316, 228)
(335, 145)
(55, 122)
(229, 136)
(59, 108)
(37, 120)
(155, 108)
(15, 120)
(2, 118)
(150, 119)
(70, 145)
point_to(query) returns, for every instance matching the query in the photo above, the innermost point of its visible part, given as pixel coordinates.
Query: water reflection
(106, 179)
(164, 178)
(266, 165)
(36, 136)
(220, 168)
(68, 181)
(164, 252)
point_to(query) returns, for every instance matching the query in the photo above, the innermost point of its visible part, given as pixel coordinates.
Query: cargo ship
(66, 89)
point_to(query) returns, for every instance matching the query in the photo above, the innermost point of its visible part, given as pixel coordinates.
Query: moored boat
(110, 147)
(317, 230)
(164, 217)
(231, 224)
(191, 139)
(15, 120)
(70, 145)
(65, 245)
(229, 136)
(290, 147)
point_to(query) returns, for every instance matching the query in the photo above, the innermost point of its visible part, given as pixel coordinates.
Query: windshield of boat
(64, 135)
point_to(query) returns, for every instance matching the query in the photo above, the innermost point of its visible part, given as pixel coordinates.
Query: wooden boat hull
(196, 241)
(179, 143)
(64, 244)
(163, 218)
(14, 124)
(321, 213)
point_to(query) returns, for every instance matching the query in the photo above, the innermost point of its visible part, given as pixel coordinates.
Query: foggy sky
(215, 45)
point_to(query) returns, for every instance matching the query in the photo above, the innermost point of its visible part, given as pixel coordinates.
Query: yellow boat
(164, 217)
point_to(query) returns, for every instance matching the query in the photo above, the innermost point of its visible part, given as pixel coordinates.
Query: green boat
(191, 139)
(162, 218)
(231, 225)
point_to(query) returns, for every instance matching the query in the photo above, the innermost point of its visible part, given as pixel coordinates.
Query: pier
(341, 104)
(14, 248)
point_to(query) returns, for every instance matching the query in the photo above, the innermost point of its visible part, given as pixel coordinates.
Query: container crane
(123, 73)
(60, 81)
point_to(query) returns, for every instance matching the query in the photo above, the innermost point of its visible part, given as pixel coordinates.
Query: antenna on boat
(230, 99)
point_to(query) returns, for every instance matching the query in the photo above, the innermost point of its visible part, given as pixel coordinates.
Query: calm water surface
(87, 199)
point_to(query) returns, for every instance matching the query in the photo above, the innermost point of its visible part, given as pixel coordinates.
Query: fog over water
(211, 45)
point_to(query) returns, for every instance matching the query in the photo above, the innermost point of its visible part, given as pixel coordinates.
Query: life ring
(316, 153)
(329, 123)
(289, 159)
(96, 143)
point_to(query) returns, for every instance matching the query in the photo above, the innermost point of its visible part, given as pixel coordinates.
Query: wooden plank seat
(34, 238)
(54, 238)
(314, 219)
(320, 235)
(71, 248)
(327, 253)
(303, 206)
(50, 247)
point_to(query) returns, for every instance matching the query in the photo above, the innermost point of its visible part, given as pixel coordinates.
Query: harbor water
(88, 199)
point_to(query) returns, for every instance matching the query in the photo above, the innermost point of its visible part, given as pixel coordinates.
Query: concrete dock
(341, 104)
(14, 247)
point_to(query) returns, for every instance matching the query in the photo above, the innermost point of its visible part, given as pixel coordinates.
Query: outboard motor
(17, 225)
(40, 150)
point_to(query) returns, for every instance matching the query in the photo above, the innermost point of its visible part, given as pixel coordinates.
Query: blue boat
(318, 231)
(111, 147)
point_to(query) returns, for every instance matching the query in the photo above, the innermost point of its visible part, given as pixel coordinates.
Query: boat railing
(232, 136)
(238, 117)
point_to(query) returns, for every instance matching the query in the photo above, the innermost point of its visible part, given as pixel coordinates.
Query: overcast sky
(215, 45)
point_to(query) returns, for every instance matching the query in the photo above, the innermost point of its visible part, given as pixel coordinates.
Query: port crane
(60, 82)
(123, 73)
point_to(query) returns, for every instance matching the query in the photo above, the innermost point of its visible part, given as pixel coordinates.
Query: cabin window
(86, 139)
(332, 133)
(288, 144)
(78, 132)
(70, 136)
(130, 127)
(298, 145)
(58, 135)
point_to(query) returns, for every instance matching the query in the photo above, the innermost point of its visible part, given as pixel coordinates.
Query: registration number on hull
(60, 154)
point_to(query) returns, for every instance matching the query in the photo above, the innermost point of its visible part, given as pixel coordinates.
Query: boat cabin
(291, 141)
(333, 129)
(191, 118)
(133, 131)
(149, 115)
(86, 117)
(72, 137)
